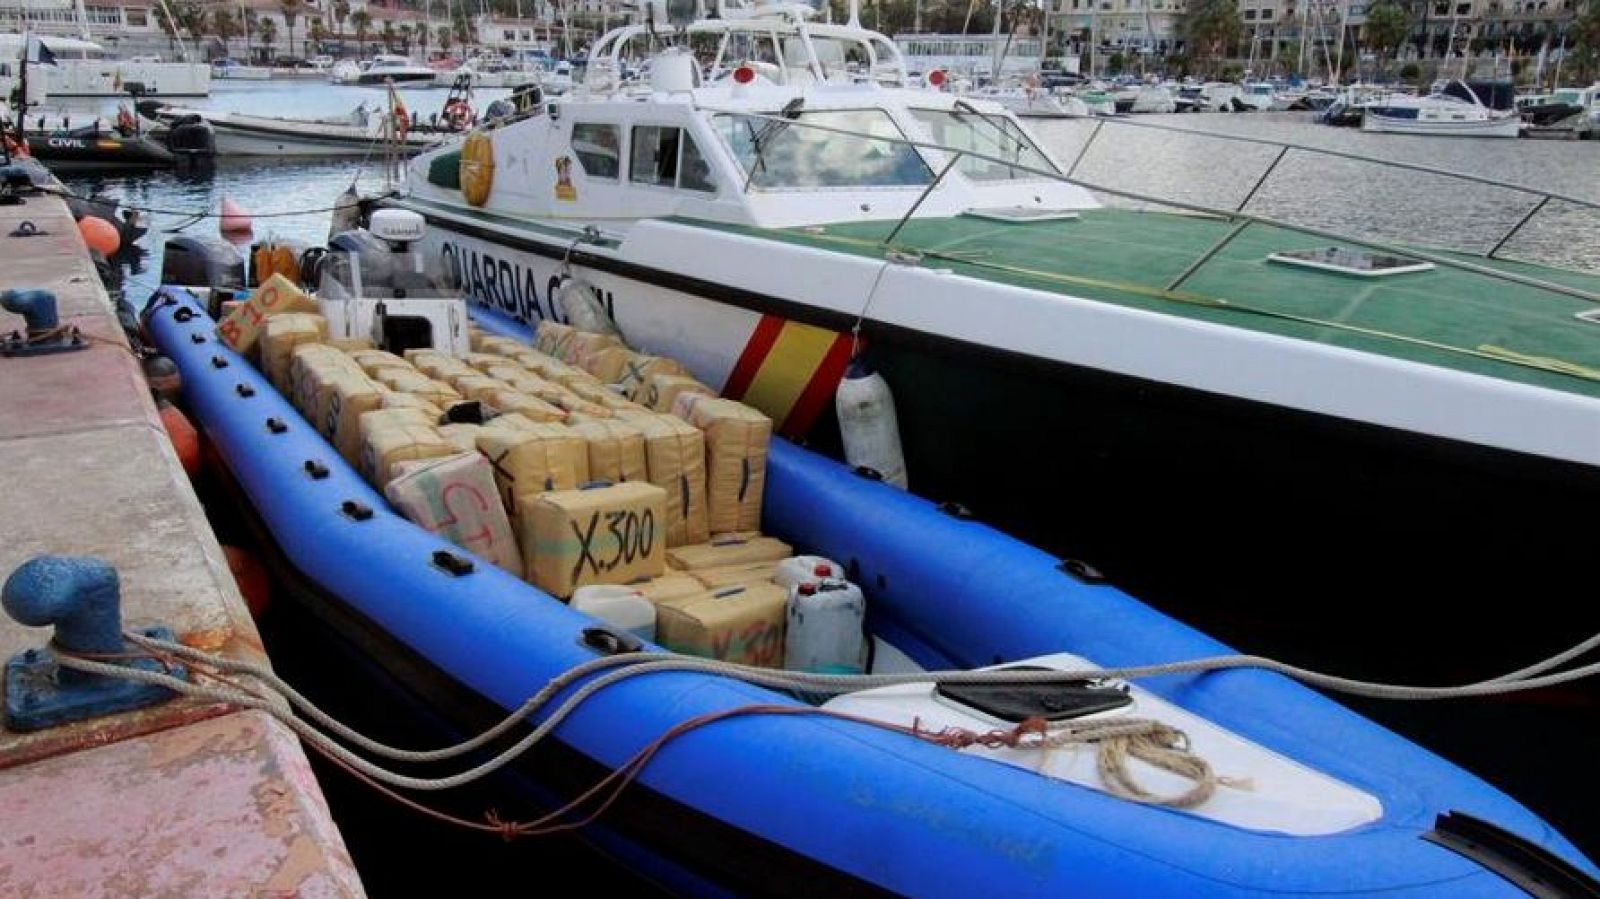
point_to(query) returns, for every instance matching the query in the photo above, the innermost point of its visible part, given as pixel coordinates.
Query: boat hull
(835, 807)
(1509, 126)
(242, 139)
(1344, 522)
(99, 151)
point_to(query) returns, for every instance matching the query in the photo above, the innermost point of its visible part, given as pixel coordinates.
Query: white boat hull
(235, 138)
(1507, 126)
(110, 78)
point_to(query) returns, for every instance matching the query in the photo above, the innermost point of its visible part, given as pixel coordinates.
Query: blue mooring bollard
(82, 598)
(42, 323)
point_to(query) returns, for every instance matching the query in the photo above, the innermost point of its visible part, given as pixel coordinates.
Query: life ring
(458, 114)
(477, 168)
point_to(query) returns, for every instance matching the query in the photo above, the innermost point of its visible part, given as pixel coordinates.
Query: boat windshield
(991, 135)
(776, 155)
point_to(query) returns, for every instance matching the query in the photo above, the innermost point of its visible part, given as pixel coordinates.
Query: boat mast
(999, 12)
(1344, 19)
(83, 21)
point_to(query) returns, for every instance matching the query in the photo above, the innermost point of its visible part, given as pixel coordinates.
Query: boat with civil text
(1212, 391)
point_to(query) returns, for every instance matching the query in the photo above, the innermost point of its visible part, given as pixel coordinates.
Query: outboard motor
(205, 263)
(190, 137)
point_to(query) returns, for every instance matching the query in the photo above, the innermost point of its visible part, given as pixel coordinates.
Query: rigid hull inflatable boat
(1315, 799)
(1211, 392)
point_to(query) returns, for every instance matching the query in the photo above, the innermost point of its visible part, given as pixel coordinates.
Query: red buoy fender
(185, 439)
(254, 583)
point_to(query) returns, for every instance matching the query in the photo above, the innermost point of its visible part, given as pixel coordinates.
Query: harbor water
(1515, 744)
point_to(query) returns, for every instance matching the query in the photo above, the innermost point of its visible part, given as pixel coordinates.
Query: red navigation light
(936, 77)
(744, 75)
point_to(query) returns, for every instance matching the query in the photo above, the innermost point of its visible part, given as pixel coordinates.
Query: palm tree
(444, 35)
(291, 12)
(362, 21)
(1386, 29)
(389, 36)
(421, 32)
(224, 25)
(341, 11)
(404, 33)
(269, 34)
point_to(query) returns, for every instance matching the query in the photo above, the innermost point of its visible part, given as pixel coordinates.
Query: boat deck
(1447, 317)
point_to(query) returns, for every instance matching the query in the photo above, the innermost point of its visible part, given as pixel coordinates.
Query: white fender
(582, 307)
(868, 425)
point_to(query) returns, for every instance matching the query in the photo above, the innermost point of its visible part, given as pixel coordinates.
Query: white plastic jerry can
(800, 569)
(826, 628)
(621, 606)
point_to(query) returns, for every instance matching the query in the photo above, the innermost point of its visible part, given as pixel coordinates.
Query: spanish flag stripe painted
(755, 352)
(817, 393)
(788, 368)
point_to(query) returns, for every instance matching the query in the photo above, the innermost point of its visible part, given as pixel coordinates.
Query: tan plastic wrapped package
(465, 437)
(602, 395)
(380, 419)
(438, 392)
(439, 366)
(411, 401)
(351, 344)
(530, 461)
(668, 587)
(476, 336)
(454, 497)
(373, 360)
(318, 394)
(599, 535)
(547, 367)
(348, 400)
(500, 346)
(483, 361)
(506, 371)
(728, 550)
(609, 363)
(279, 338)
(478, 386)
(241, 328)
(585, 348)
(553, 339)
(385, 448)
(512, 421)
(675, 461)
(302, 360)
(400, 380)
(743, 624)
(660, 392)
(531, 407)
(727, 576)
(616, 452)
(639, 369)
(577, 405)
(736, 459)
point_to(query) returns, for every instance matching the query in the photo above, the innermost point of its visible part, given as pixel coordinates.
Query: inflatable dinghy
(1312, 799)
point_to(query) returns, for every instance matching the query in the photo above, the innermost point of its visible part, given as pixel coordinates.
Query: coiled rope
(1116, 740)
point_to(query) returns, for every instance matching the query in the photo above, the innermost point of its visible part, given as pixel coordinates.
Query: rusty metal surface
(226, 807)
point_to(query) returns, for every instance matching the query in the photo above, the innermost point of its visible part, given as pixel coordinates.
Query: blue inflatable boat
(1315, 799)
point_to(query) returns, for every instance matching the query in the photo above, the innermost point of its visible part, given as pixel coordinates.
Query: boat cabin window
(598, 149)
(991, 135)
(778, 154)
(668, 157)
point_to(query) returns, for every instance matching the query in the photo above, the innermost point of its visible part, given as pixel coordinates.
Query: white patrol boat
(1224, 413)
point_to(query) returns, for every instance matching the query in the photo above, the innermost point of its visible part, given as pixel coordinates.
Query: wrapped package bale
(241, 328)
(616, 451)
(743, 624)
(385, 448)
(478, 386)
(410, 401)
(476, 336)
(586, 346)
(380, 418)
(602, 395)
(438, 365)
(675, 461)
(512, 421)
(483, 361)
(437, 392)
(553, 339)
(351, 344)
(736, 458)
(729, 550)
(594, 535)
(548, 367)
(400, 380)
(639, 369)
(661, 391)
(529, 461)
(577, 405)
(348, 400)
(282, 334)
(729, 575)
(465, 437)
(507, 371)
(532, 407)
(454, 496)
(309, 364)
(500, 346)
(318, 387)
(373, 360)
(608, 363)
(668, 587)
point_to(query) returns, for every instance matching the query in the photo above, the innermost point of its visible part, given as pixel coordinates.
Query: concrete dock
(185, 798)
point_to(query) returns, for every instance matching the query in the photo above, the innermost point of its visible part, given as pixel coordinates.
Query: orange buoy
(100, 234)
(235, 221)
(251, 576)
(185, 439)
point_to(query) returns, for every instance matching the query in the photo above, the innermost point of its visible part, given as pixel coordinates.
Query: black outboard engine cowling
(190, 136)
(194, 261)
